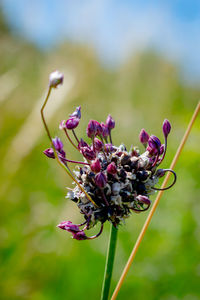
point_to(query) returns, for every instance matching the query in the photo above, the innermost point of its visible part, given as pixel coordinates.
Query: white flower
(55, 79)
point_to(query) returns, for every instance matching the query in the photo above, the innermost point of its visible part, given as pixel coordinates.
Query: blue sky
(115, 28)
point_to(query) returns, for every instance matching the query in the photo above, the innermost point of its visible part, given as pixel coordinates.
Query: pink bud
(143, 136)
(96, 166)
(111, 168)
(110, 123)
(91, 129)
(80, 235)
(49, 153)
(98, 144)
(143, 199)
(88, 153)
(105, 131)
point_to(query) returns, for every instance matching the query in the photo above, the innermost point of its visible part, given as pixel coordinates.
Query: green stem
(109, 263)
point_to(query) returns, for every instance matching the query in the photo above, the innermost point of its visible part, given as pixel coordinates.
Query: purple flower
(67, 225)
(62, 124)
(72, 123)
(96, 166)
(80, 235)
(154, 142)
(57, 144)
(105, 131)
(143, 199)
(100, 180)
(109, 147)
(49, 153)
(91, 129)
(110, 123)
(76, 113)
(111, 168)
(98, 129)
(82, 144)
(88, 153)
(98, 144)
(143, 137)
(166, 128)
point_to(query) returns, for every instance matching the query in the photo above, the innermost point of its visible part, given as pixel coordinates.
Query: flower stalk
(109, 263)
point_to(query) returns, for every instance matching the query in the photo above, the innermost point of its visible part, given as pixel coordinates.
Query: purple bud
(49, 153)
(99, 129)
(100, 180)
(72, 123)
(82, 144)
(76, 113)
(105, 131)
(166, 127)
(111, 168)
(110, 123)
(67, 225)
(109, 148)
(80, 235)
(55, 79)
(162, 148)
(143, 199)
(160, 173)
(88, 153)
(154, 142)
(143, 136)
(96, 166)
(62, 124)
(57, 143)
(98, 144)
(91, 129)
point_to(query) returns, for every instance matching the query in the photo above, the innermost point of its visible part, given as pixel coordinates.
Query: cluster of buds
(110, 182)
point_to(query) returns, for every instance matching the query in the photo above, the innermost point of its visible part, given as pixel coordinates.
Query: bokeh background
(139, 61)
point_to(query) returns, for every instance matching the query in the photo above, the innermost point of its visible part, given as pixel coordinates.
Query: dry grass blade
(149, 217)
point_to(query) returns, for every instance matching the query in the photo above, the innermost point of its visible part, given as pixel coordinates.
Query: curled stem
(168, 187)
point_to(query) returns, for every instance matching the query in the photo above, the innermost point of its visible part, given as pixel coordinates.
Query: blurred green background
(41, 262)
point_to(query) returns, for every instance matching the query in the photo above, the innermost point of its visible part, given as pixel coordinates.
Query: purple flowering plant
(111, 182)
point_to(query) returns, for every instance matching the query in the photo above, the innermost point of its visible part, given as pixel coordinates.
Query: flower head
(55, 79)
(111, 182)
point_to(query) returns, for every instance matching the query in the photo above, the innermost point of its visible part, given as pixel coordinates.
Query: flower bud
(88, 153)
(166, 127)
(143, 137)
(67, 225)
(82, 144)
(109, 148)
(154, 142)
(76, 113)
(55, 79)
(57, 143)
(160, 173)
(143, 199)
(91, 129)
(80, 235)
(111, 168)
(49, 153)
(62, 124)
(98, 144)
(96, 166)
(99, 129)
(100, 180)
(72, 123)
(110, 123)
(105, 131)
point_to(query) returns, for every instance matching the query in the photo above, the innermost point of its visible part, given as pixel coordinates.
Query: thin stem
(168, 187)
(149, 217)
(110, 137)
(73, 131)
(74, 161)
(65, 130)
(109, 263)
(55, 152)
